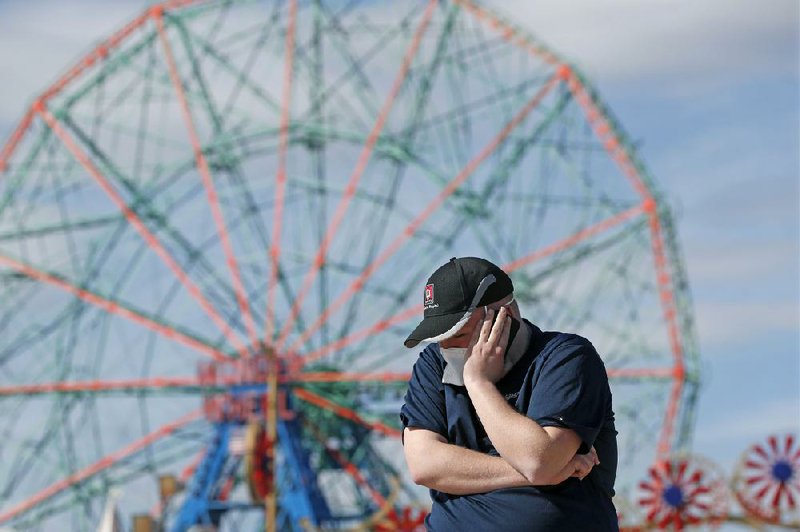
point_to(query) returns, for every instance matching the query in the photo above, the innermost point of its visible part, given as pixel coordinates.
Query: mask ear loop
(486, 308)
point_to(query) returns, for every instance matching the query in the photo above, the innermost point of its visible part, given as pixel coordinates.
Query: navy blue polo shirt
(560, 381)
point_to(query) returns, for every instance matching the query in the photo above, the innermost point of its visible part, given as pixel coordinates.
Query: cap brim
(431, 327)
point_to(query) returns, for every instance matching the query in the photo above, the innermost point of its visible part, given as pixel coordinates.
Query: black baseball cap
(453, 292)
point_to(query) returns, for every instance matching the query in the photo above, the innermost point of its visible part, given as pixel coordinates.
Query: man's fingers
(497, 328)
(506, 333)
(583, 465)
(476, 333)
(594, 455)
(487, 324)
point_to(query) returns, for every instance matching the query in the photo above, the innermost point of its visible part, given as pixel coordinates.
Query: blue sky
(708, 90)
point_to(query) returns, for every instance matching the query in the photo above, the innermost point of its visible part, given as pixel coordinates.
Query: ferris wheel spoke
(280, 179)
(759, 450)
(344, 412)
(208, 182)
(367, 332)
(138, 224)
(112, 307)
(758, 479)
(185, 384)
(638, 373)
(361, 165)
(692, 494)
(411, 228)
(335, 376)
(789, 497)
(575, 238)
(779, 491)
(753, 464)
(788, 444)
(101, 465)
(761, 494)
(773, 445)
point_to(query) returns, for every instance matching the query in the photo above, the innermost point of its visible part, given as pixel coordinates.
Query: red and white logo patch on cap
(429, 294)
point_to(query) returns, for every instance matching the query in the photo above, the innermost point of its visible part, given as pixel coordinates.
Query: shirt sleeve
(572, 391)
(424, 405)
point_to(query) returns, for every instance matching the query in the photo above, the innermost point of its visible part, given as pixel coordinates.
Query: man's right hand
(583, 464)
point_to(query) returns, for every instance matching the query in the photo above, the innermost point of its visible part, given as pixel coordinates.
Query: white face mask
(455, 357)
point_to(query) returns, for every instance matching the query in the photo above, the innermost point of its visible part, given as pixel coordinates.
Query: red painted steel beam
(208, 182)
(100, 386)
(179, 383)
(510, 33)
(136, 222)
(334, 376)
(636, 373)
(280, 189)
(606, 134)
(411, 312)
(404, 235)
(100, 465)
(575, 238)
(111, 307)
(15, 138)
(664, 280)
(344, 412)
(361, 166)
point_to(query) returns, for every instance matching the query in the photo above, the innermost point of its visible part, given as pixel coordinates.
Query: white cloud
(688, 45)
(729, 265)
(751, 424)
(723, 325)
(40, 40)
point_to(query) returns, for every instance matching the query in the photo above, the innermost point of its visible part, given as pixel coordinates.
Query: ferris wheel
(215, 227)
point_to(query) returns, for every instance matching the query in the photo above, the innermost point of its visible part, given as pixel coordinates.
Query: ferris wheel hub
(236, 389)
(673, 496)
(782, 471)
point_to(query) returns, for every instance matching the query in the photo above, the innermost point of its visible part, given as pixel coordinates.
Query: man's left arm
(535, 451)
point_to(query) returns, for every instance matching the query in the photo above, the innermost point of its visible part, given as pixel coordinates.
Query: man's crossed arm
(452, 469)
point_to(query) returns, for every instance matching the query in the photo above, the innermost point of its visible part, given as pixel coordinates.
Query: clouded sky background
(708, 91)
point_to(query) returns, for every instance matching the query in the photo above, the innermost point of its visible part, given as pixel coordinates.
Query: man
(501, 420)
